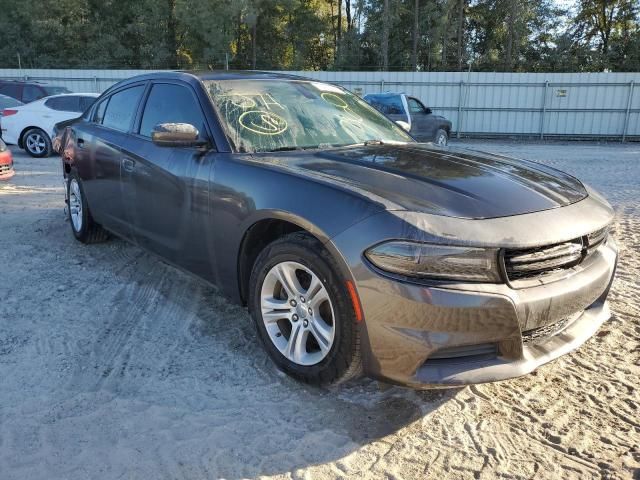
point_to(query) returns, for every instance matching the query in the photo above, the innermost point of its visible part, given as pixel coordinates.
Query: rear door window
(169, 103)
(122, 108)
(64, 104)
(98, 115)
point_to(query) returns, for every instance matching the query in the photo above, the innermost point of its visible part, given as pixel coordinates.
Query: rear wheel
(302, 311)
(84, 228)
(442, 138)
(37, 143)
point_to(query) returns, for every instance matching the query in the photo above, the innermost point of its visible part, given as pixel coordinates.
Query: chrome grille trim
(532, 266)
(531, 262)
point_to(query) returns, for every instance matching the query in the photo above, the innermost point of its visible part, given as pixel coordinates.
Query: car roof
(89, 94)
(190, 76)
(28, 82)
(384, 94)
(244, 75)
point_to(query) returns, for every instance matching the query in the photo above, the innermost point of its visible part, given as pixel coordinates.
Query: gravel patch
(115, 365)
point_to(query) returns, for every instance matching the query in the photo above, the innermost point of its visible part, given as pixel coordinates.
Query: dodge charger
(357, 250)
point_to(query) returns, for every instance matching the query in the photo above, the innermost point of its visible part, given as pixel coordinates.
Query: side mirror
(176, 135)
(404, 125)
(428, 111)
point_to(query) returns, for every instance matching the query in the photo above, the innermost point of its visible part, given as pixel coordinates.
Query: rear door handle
(128, 164)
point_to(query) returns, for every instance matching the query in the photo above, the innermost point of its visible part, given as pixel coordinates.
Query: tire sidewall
(333, 365)
(440, 133)
(84, 228)
(47, 143)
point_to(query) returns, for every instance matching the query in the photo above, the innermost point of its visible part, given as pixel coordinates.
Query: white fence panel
(588, 105)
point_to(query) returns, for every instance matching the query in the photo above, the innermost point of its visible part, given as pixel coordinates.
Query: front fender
(243, 193)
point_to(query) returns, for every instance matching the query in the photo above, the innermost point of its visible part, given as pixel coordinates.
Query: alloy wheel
(297, 313)
(75, 204)
(36, 143)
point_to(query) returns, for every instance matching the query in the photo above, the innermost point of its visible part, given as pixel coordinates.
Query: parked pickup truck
(412, 115)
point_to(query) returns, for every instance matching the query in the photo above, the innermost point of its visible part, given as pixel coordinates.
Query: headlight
(436, 261)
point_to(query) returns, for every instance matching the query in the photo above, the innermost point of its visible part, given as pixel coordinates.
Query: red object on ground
(6, 162)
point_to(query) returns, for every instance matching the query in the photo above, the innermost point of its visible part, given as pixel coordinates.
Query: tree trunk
(254, 32)
(338, 46)
(511, 37)
(385, 36)
(461, 32)
(444, 44)
(171, 34)
(416, 34)
(339, 20)
(347, 4)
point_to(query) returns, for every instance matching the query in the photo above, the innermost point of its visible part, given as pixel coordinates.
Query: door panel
(168, 186)
(165, 191)
(106, 135)
(423, 126)
(102, 184)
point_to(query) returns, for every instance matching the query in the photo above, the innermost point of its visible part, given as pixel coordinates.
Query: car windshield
(55, 90)
(271, 115)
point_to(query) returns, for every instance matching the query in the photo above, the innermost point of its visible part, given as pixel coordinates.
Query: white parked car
(30, 126)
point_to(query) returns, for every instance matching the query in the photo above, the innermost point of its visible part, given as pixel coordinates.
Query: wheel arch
(25, 130)
(265, 229)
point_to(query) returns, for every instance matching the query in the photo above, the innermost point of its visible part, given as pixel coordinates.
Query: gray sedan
(356, 249)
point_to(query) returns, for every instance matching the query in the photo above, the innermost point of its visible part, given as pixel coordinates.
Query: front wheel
(84, 228)
(37, 143)
(442, 138)
(303, 312)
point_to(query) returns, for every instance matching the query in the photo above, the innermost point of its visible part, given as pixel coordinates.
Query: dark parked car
(29, 91)
(411, 113)
(355, 248)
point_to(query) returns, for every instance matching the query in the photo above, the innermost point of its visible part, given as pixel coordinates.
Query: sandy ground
(114, 365)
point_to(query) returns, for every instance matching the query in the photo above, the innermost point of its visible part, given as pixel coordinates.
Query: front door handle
(80, 143)
(128, 164)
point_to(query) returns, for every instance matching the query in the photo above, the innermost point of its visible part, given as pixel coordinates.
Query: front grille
(533, 262)
(540, 334)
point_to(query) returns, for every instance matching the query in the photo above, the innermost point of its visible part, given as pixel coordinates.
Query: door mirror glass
(176, 135)
(404, 125)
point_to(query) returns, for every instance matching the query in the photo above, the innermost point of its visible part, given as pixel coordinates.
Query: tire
(84, 228)
(37, 143)
(441, 138)
(340, 359)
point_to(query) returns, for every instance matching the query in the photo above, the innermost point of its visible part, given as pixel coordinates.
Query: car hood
(440, 181)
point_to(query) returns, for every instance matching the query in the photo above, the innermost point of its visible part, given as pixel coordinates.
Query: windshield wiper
(290, 148)
(284, 149)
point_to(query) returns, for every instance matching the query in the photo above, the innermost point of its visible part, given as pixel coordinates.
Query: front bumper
(6, 165)
(463, 334)
(449, 334)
